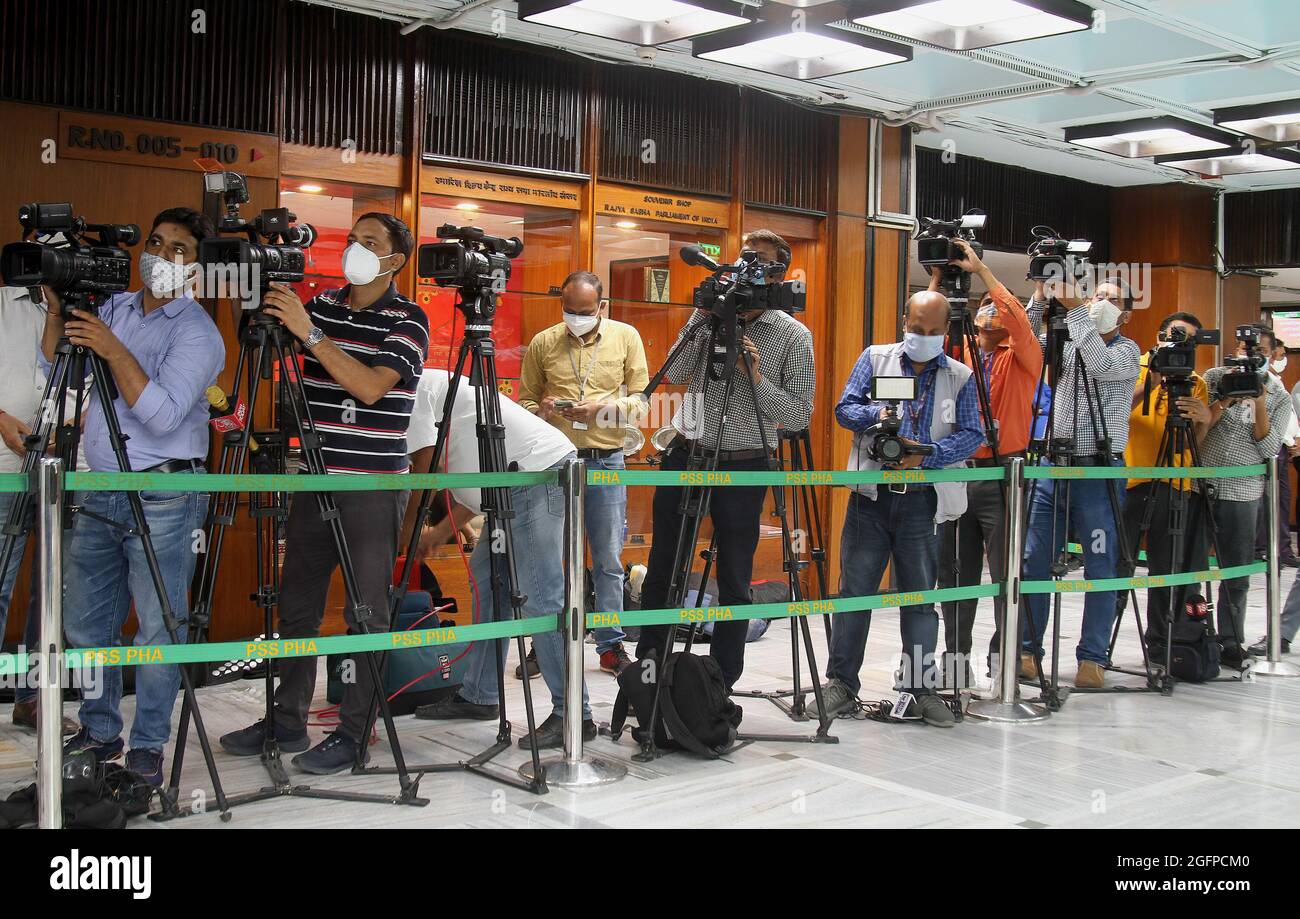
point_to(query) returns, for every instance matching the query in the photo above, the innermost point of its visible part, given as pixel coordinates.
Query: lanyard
(582, 378)
(915, 413)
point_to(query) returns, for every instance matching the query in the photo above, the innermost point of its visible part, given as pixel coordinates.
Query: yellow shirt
(1145, 432)
(611, 362)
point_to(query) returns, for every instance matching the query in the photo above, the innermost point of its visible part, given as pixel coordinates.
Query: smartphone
(564, 403)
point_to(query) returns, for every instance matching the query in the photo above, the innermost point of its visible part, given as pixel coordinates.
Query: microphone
(695, 257)
(224, 419)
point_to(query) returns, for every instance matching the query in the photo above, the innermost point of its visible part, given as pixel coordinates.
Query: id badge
(579, 425)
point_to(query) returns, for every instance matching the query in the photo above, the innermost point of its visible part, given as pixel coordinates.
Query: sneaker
(934, 711)
(615, 660)
(1291, 561)
(550, 733)
(81, 742)
(25, 717)
(456, 709)
(1233, 654)
(336, 753)
(249, 740)
(148, 763)
(1028, 667)
(1260, 648)
(534, 670)
(1091, 675)
(836, 696)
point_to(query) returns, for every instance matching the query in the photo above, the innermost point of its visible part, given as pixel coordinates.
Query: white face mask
(360, 265)
(164, 277)
(580, 325)
(922, 348)
(1105, 316)
(1279, 365)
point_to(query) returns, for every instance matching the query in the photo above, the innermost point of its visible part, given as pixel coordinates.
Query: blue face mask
(922, 348)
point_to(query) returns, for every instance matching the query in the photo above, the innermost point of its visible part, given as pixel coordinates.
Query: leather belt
(176, 465)
(724, 456)
(596, 453)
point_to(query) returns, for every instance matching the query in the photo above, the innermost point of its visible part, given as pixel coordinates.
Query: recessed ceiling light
(1139, 137)
(966, 24)
(626, 225)
(1275, 121)
(802, 54)
(311, 189)
(467, 206)
(1239, 161)
(641, 22)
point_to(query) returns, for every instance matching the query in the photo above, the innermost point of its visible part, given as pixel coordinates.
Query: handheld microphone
(695, 257)
(224, 419)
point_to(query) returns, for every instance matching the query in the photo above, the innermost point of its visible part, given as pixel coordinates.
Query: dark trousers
(1236, 521)
(1160, 550)
(371, 522)
(736, 512)
(980, 531)
(1283, 513)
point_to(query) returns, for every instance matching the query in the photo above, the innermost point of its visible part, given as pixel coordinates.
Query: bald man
(899, 523)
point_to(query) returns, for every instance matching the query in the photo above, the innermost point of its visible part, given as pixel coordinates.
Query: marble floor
(1221, 754)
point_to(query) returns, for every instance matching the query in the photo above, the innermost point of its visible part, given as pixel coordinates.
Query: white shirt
(22, 382)
(531, 442)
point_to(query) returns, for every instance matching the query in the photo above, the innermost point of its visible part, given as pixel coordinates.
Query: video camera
(1175, 360)
(1246, 378)
(1052, 258)
(273, 249)
(886, 446)
(473, 262)
(935, 249)
(81, 271)
(747, 284)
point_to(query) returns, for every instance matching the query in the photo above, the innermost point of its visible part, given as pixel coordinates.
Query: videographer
(163, 351)
(1243, 431)
(364, 347)
(900, 523)
(1089, 428)
(1012, 363)
(784, 380)
(1286, 555)
(585, 375)
(1148, 424)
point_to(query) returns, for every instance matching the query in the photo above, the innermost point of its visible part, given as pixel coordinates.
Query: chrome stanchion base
(1275, 668)
(1006, 712)
(589, 771)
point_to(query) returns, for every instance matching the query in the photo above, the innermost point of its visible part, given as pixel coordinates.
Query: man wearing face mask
(1012, 362)
(899, 523)
(1243, 431)
(364, 347)
(1094, 417)
(585, 375)
(163, 351)
(1286, 556)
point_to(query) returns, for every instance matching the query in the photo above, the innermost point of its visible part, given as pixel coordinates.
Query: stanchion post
(1007, 706)
(49, 735)
(574, 769)
(1274, 666)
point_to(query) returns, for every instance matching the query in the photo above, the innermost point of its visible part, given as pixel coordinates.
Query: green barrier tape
(1143, 472)
(12, 481)
(730, 477)
(1142, 555)
(153, 481)
(788, 610)
(288, 647)
(1066, 586)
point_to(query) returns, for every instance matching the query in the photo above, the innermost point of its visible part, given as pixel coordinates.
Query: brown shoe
(25, 717)
(1028, 666)
(1091, 675)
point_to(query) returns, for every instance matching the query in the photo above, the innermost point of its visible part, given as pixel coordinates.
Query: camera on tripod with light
(476, 264)
(273, 248)
(1245, 379)
(1052, 258)
(936, 247)
(747, 284)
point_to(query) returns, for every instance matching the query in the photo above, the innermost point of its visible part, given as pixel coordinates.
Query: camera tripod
(478, 351)
(263, 345)
(801, 459)
(71, 364)
(725, 334)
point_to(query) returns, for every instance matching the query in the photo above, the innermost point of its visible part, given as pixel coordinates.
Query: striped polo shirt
(392, 332)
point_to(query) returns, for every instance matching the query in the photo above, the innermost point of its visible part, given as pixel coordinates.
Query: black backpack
(95, 796)
(1195, 651)
(697, 713)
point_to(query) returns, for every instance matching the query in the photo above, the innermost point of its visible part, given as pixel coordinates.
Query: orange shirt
(1012, 376)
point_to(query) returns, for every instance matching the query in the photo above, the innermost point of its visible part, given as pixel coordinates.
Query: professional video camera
(935, 246)
(747, 284)
(473, 262)
(885, 445)
(1052, 258)
(1246, 378)
(1175, 360)
(82, 271)
(273, 249)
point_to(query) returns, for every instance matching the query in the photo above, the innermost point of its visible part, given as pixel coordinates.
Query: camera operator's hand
(89, 331)
(281, 302)
(909, 460)
(972, 261)
(1193, 409)
(752, 350)
(53, 305)
(13, 431)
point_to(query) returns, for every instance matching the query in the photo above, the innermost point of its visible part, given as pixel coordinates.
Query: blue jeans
(32, 630)
(105, 572)
(893, 527)
(606, 519)
(538, 535)
(1092, 521)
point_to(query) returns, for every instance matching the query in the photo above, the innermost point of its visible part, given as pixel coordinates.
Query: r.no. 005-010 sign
(146, 144)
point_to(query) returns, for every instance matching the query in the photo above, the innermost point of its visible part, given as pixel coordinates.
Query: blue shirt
(857, 412)
(180, 350)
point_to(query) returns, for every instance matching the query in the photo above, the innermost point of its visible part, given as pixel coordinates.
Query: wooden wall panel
(1163, 224)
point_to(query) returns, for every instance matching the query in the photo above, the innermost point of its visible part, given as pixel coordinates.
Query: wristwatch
(314, 338)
